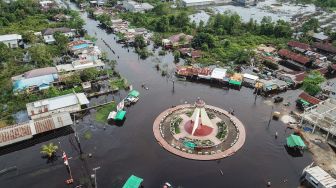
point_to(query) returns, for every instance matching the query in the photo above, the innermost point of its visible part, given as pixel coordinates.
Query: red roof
(312, 100)
(189, 71)
(300, 77)
(325, 47)
(294, 56)
(300, 45)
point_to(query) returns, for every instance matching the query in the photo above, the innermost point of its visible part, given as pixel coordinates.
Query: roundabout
(199, 131)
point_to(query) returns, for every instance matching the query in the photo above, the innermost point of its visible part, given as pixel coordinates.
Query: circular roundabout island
(199, 131)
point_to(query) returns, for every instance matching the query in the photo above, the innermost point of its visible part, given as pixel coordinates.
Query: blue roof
(80, 46)
(42, 82)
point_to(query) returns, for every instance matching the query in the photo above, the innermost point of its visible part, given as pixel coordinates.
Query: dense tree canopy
(311, 83)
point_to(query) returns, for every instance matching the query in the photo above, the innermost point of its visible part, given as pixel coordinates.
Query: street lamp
(95, 175)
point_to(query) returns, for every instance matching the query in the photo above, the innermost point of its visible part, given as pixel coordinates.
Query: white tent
(218, 73)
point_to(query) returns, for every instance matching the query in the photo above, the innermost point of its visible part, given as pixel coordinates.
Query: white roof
(322, 176)
(112, 115)
(250, 76)
(63, 101)
(197, 1)
(82, 99)
(218, 73)
(10, 37)
(79, 65)
(320, 36)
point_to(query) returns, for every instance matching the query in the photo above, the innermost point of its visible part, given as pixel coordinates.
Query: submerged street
(132, 148)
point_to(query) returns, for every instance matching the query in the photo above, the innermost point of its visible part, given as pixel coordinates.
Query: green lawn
(103, 112)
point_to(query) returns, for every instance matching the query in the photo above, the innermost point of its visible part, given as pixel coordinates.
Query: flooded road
(132, 148)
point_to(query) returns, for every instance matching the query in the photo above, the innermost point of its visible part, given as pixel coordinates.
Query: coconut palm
(49, 149)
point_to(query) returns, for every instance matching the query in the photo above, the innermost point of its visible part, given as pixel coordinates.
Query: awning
(235, 82)
(304, 102)
(295, 141)
(133, 182)
(120, 115)
(112, 115)
(134, 93)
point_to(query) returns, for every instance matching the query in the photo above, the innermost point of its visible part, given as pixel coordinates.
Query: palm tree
(49, 149)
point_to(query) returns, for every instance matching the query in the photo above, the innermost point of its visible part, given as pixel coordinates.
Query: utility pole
(269, 122)
(95, 176)
(76, 135)
(173, 85)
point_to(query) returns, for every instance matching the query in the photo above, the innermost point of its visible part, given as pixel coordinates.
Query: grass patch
(87, 135)
(117, 84)
(189, 113)
(103, 112)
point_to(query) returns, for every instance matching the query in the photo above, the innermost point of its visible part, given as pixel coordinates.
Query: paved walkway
(218, 155)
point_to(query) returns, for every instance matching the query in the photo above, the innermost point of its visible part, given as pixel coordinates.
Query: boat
(167, 185)
(133, 182)
(278, 99)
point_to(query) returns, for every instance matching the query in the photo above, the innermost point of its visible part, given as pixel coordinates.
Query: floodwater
(268, 8)
(132, 148)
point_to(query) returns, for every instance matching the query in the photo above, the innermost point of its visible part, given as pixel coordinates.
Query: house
(133, 6)
(46, 5)
(250, 79)
(190, 3)
(320, 37)
(11, 40)
(48, 34)
(190, 52)
(178, 40)
(37, 79)
(26, 130)
(298, 46)
(246, 2)
(61, 17)
(318, 178)
(268, 86)
(294, 60)
(79, 45)
(66, 103)
(218, 74)
(79, 65)
(305, 100)
(236, 79)
(325, 48)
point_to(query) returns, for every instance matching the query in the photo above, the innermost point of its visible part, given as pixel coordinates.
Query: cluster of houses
(85, 54)
(123, 27)
(45, 115)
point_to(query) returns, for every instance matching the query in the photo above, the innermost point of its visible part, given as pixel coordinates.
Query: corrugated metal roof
(40, 72)
(300, 45)
(312, 100)
(10, 37)
(322, 176)
(218, 73)
(44, 80)
(294, 56)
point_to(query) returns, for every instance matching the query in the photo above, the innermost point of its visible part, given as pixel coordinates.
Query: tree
(282, 29)
(105, 19)
(89, 74)
(74, 79)
(40, 55)
(182, 20)
(311, 25)
(162, 9)
(49, 149)
(266, 26)
(203, 38)
(311, 83)
(139, 42)
(162, 25)
(61, 41)
(177, 56)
